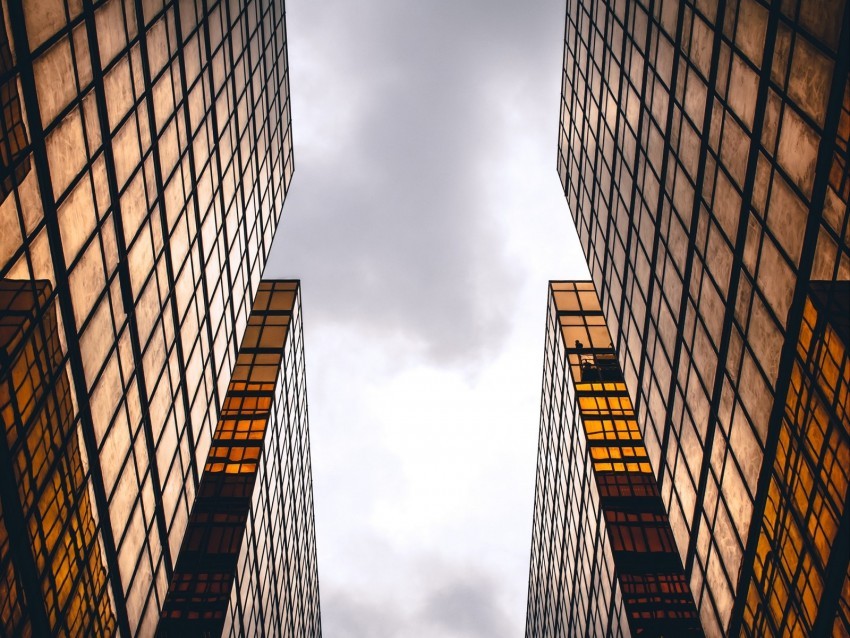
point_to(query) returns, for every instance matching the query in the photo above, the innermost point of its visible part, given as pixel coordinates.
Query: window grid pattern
(809, 484)
(841, 626)
(53, 573)
(14, 162)
(655, 592)
(161, 153)
(703, 153)
(277, 569)
(573, 589)
(247, 566)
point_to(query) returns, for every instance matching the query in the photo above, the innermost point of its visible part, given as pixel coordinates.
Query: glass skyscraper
(603, 557)
(145, 155)
(703, 151)
(247, 565)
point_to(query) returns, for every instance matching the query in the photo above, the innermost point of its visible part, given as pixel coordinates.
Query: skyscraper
(703, 151)
(247, 565)
(145, 154)
(603, 558)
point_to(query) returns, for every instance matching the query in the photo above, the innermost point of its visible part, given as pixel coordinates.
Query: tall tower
(603, 557)
(703, 151)
(145, 155)
(247, 565)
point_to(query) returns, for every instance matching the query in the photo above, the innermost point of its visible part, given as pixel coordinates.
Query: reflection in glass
(704, 152)
(632, 524)
(233, 576)
(804, 535)
(52, 575)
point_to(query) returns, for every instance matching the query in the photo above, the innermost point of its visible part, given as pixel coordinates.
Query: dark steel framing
(257, 27)
(42, 168)
(627, 292)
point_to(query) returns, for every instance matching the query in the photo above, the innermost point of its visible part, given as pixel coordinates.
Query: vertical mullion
(163, 219)
(193, 174)
(124, 278)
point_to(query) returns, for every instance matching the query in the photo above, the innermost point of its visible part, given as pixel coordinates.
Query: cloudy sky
(424, 220)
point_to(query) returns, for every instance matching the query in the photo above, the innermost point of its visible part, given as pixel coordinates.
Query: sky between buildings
(424, 220)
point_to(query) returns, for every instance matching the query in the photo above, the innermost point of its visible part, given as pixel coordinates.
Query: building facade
(145, 155)
(54, 578)
(798, 580)
(703, 151)
(247, 565)
(603, 558)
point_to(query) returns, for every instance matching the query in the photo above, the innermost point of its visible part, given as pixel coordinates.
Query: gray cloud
(459, 601)
(360, 616)
(467, 605)
(424, 218)
(390, 215)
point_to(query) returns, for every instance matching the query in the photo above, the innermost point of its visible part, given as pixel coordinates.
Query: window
(13, 135)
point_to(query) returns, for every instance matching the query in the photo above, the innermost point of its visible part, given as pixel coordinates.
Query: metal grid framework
(247, 566)
(703, 151)
(642, 568)
(159, 140)
(572, 588)
(49, 553)
(803, 546)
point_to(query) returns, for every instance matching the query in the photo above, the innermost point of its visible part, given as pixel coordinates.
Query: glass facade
(145, 155)
(50, 554)
(248, 561)
(803, 543)
(603, 561)
(703, 151)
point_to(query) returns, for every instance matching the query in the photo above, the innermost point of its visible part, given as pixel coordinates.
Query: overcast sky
(424, 221)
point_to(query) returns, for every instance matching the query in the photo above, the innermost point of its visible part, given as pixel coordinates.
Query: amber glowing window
(50, 558)
(810, 477)
(612, 430)
(13, 135)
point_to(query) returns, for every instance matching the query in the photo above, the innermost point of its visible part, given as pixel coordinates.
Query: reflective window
(703, 151)
(158, 140)
(248, 556)
(592, 426)
(52, 572)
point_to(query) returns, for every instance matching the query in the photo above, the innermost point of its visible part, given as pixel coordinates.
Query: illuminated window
(48, 534)
(212, 572)
(13, 136)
